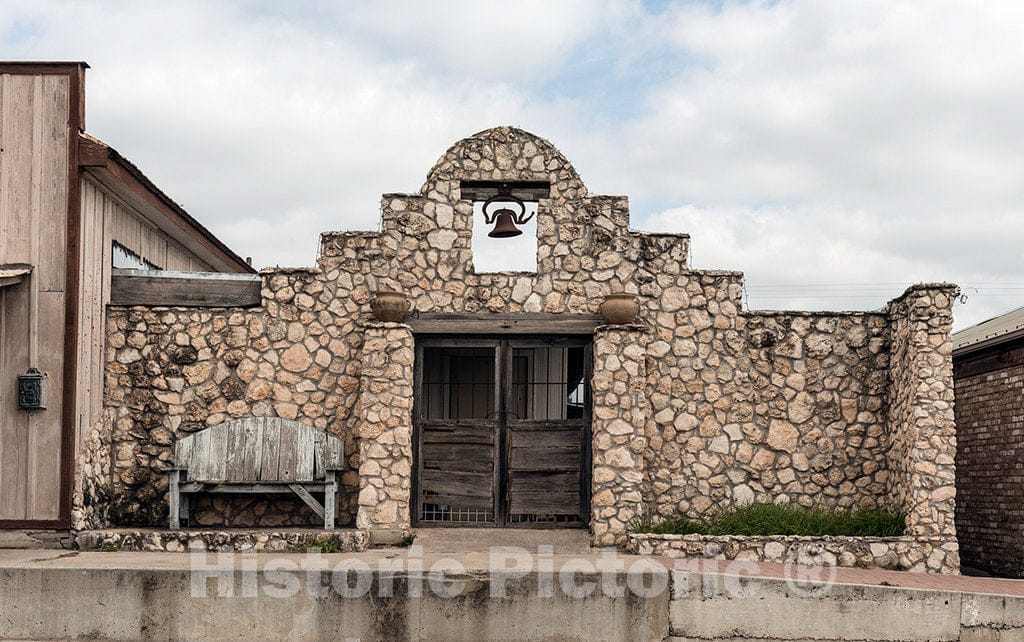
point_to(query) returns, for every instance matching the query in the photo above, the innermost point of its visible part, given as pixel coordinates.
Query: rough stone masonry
(699, 406)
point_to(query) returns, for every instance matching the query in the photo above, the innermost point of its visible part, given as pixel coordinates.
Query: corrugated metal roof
(994, 331)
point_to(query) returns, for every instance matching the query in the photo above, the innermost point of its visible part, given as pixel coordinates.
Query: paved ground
(472, 550)
(480, 540)
(875, 577)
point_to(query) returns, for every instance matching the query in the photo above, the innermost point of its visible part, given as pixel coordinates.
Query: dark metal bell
(504, 225)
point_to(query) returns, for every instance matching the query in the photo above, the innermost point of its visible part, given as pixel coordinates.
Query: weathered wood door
(502, 431)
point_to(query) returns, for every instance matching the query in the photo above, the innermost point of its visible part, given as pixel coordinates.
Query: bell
(504, 225)
(505, 220)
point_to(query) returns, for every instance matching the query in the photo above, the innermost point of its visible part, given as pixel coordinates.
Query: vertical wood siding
(33, 222)
(106, 219)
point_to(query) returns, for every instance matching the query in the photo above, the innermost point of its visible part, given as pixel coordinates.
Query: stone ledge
(904, 553)
(270, 540)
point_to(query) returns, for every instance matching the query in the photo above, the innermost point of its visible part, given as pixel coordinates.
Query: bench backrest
(253, 449)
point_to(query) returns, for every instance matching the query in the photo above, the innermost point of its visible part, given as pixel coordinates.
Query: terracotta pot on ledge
(619, 309)
(390, 306)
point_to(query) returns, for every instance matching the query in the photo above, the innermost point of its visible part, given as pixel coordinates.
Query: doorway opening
(503, 431)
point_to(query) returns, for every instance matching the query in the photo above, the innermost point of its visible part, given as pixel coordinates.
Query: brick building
(989, 380)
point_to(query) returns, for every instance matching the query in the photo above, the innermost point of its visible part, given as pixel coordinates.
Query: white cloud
(803, 142)
(845, 143)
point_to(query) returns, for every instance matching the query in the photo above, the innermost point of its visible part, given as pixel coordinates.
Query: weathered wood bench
(257, 455)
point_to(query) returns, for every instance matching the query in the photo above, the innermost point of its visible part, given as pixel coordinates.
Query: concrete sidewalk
(448, 544)
(860, 576)
(506, 593)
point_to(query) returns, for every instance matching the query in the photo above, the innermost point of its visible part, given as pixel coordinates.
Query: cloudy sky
(834, 151)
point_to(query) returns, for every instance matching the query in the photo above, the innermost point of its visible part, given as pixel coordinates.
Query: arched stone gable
(504, 154)
(585, 246)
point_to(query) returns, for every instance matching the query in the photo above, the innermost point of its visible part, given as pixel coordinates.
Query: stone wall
(908, 553)
(990, 454)
(619, 445)
(763, 406)
(384, 416)
(94, 488)
(733, 405)
(172, 372)
(922, 427)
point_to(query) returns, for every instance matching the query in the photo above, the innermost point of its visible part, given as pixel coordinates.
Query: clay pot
(390, 306)
(619, 309)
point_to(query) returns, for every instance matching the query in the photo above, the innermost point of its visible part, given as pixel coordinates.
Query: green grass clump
(772, 519)
(319, 544)
(406, 541)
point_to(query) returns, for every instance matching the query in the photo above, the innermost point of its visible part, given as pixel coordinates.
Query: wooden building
(988, 371)
(71, 210)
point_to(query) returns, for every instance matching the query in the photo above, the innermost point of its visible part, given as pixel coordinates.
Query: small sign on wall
(32, 390)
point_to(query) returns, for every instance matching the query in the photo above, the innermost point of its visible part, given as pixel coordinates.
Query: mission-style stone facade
(698, 406)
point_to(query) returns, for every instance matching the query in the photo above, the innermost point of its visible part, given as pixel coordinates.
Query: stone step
(240, 540)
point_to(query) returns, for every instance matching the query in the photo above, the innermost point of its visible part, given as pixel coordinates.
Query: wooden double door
(502, 431)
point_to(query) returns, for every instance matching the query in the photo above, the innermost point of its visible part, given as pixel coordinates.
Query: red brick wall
(990, 459)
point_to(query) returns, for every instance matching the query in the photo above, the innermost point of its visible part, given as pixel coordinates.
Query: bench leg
(185, 503)
(308, 499)
(174, 498)
(330, 499)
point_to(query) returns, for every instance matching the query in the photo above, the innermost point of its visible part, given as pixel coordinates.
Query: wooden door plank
(218, 454)
(511, 324)
(535, 482)
(483, 435)
(502, 449)
(45, 428)
(259, 424)
(319, 454)
(567, 438)
(288, 457)
(17, 121)
(241, 457)
(305, 447)
(14, 421)
(145, 287)
(270, 461)
(235, 451)
(199, 467)
(183, 451)
(52, 180)
(335, 457)
(445, 482)
(545, 503)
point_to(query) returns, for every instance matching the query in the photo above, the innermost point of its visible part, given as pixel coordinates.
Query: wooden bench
(257, 455)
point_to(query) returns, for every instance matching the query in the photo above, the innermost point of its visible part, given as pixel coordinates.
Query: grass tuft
(406, 541)
(319, 544)
(772, 519)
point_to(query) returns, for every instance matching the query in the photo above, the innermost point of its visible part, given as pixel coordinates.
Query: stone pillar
(384, 429)
(620, 412)
(922, 429)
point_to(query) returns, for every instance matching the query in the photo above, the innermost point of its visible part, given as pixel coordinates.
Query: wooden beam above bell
(529, 191)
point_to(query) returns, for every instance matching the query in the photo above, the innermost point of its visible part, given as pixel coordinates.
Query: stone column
(384, 429)
(922, 429)
(620, 411)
